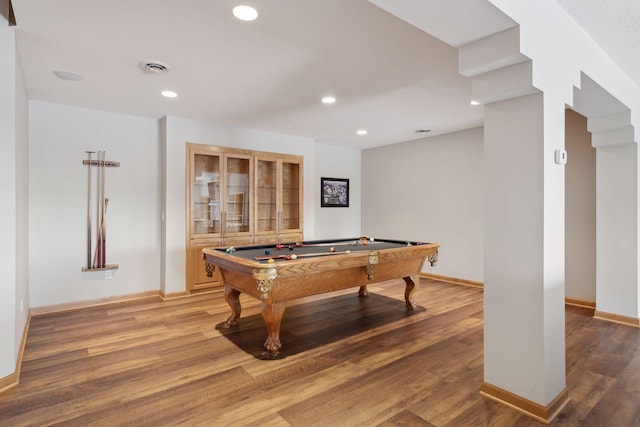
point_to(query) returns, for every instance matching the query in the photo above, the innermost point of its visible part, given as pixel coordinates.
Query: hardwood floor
(347, 361)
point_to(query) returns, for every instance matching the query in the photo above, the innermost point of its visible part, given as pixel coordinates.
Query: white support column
(524, 229)
(524, 255)
(617, 199)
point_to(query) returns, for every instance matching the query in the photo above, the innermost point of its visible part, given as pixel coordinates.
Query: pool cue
(347, 243)
(89, 219)
(268, 257)
(96, 254)
(97, 260)
(102, 232)
(103, 251)
(311, 245)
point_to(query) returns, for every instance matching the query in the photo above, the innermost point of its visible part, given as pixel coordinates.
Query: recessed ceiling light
(68, 75)
(169, 94)
(328, 100)
(245, 13)
(474, 102)
(361, 132)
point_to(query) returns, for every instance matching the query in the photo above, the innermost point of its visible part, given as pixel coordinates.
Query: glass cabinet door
(290, 196)
(206, 194)
(267, 192)
(237, 195)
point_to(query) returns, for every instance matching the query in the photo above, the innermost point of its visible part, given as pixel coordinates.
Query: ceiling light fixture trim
(68, 75)
(169, 94)
(245, 13)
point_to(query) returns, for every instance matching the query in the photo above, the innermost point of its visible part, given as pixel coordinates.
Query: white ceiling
(389, 77)
(614, 25)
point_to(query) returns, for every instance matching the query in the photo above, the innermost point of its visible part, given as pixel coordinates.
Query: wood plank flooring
(347, 361)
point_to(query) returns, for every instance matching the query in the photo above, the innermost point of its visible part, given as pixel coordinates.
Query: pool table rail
(339, 271)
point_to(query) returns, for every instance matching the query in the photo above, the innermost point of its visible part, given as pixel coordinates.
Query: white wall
(12, 228)
(429, 190)
(617, 231)
(580, 210)
(22, 204)
(178, 132)
(59, 137)
(580, 200)
(337, 162)
(150, 181)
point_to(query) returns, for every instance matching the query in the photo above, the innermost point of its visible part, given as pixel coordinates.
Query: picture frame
(334, 192)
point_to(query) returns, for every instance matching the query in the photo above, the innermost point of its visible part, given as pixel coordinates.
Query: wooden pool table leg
(408, 293)
(232, 296)
(272, 316)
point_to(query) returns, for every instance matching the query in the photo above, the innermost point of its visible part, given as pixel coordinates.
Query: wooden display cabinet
(238, 197)
(278, 198)
(219, 206)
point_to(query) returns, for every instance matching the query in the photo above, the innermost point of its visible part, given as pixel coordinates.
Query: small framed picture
(334, 192)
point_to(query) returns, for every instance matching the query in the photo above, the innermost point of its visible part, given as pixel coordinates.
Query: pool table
(276, 274)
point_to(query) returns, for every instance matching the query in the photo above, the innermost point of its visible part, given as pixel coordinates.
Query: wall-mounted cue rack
(97, 259)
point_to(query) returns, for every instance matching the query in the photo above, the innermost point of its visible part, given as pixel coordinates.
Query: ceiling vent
(154, 67)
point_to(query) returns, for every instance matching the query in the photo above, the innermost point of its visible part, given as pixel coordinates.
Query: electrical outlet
(108, 274)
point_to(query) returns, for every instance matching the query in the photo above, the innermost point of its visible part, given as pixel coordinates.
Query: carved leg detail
(363, 292)
(408, 293)
(272, 316)
(232, 297)
(210, 269)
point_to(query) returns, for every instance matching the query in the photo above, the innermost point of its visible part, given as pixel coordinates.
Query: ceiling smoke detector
(154, 67)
